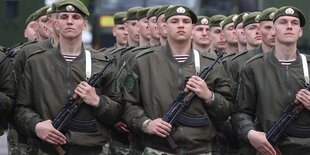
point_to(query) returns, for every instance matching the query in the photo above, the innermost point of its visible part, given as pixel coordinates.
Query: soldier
(231, 46)
(264, 80)
(238, 61)
(201, 35)
(230, 34)
(216, 34)
(132, 27)
(51, 77)
(30, 30)
(152, 22)
(238, 24)
(165, 69)
(7, 90)
(43, 32)
(19, 143)
(251, 30)
(160, 17)
(119, 32)
(143, 27)
(267, 29)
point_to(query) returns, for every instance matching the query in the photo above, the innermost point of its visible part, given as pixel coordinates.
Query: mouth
(181, 32)
(258, 38)
(290, 34)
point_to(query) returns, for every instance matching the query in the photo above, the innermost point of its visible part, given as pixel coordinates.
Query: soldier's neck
(201, 48)
(178, 48)
(285, 52)
(70, 46)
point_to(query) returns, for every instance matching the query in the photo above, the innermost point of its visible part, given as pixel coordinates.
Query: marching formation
(173, 83)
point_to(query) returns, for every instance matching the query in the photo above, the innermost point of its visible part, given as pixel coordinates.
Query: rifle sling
(82, 126)
(193, 121)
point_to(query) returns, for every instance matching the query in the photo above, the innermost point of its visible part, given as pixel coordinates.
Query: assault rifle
(10, 52)
(277, 132)
(183, 100)
(73, 104)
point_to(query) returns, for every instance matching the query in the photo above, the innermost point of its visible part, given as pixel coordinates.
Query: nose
(181, 24)
(70, 20)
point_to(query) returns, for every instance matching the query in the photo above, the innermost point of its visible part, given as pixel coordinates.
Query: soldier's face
(268, 34)
(252, 34)
(133, 30)
(179, 28)
(121, 34)
(71, 25)
(30, 31)
(287, 29)
(152, 22)
(144, 28)
(161, 24)
(240, 34)
(42, 28)
(201, 35)
(230, 34)
(217, 38)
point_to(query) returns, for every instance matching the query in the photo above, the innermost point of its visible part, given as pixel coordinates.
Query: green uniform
(7, 90)
(49, 81)
(226, 60)
(266, 88)
(152, 86)
(120, 143)
(236, 65)
(18, 142)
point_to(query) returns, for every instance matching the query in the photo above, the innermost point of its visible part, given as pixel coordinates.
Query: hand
(259, 141)
(87, 93)
(303, 96)
(45, 131)
(159, 127)
(199, 87)
(121, 127)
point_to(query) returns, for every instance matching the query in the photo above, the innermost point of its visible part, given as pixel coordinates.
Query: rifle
(183, 100)
(277, 132)
(73, 104)
(10, 52)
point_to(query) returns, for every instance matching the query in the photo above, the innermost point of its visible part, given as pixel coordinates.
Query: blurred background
(13, 14)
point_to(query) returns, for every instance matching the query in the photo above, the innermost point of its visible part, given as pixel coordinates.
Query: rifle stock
(73, 104)
(183, 100)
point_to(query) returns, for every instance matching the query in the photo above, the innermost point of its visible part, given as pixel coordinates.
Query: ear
(114, 31)
(165, 28)
(85, 25)
(300, 32)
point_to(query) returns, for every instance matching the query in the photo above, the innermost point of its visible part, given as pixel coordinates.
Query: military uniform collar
(168, 52)
(274, 59)
(60, 56)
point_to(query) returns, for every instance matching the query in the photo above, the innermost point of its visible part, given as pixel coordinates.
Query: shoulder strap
(197, 61)
(88, 63)
(305, 68)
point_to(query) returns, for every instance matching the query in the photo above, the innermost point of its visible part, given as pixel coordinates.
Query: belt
(298, 131)
(82, 126)
(193, 121)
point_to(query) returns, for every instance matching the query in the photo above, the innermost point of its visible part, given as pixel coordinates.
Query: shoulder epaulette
(28, 43)
(208, 56)
(145, 52)
(239, 54)
(257, 56)
(36, 52)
